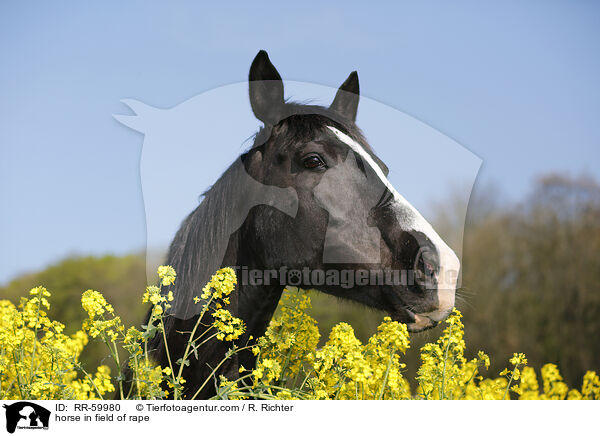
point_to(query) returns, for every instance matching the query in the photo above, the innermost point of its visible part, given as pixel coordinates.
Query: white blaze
(413, 220)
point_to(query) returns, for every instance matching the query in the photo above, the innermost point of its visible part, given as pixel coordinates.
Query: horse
(310, 202)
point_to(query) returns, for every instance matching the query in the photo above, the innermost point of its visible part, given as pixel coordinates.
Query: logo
(26, 415)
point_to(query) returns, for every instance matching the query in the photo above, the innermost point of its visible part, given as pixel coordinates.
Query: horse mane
(197, 249)
(303, 120)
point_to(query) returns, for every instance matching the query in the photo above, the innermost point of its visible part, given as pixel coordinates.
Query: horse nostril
(425, 268)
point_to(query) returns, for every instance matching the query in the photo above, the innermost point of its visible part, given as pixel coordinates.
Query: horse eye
(313, 161)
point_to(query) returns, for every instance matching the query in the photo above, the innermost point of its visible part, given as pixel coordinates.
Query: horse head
(353, 235)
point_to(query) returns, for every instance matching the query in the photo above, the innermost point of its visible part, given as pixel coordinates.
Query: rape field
(39, 361)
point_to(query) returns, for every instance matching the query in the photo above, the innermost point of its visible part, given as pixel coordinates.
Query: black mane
(302, 121)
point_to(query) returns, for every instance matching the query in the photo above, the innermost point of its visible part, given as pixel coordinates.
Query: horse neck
(216, 235)
(255, 304)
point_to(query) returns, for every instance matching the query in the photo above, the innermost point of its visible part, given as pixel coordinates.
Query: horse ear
(266, 89)
(345, 102)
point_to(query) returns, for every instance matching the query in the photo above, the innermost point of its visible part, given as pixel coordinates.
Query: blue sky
(516, 83)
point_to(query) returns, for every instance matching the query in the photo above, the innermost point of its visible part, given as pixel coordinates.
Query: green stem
(137, 379)
(227, 356)
(191, 339)
(445, 361)
(18, 373)
(175, 383)
(37, 318)
(231, 387)
(509, 382)
(469, 381)
(89, 377)
(115, 355)
(305, 380)
(118, 362)
(387, 372)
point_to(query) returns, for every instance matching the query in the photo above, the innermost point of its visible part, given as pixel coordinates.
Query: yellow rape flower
(38, 361)
(229, 326)
(167, 275)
